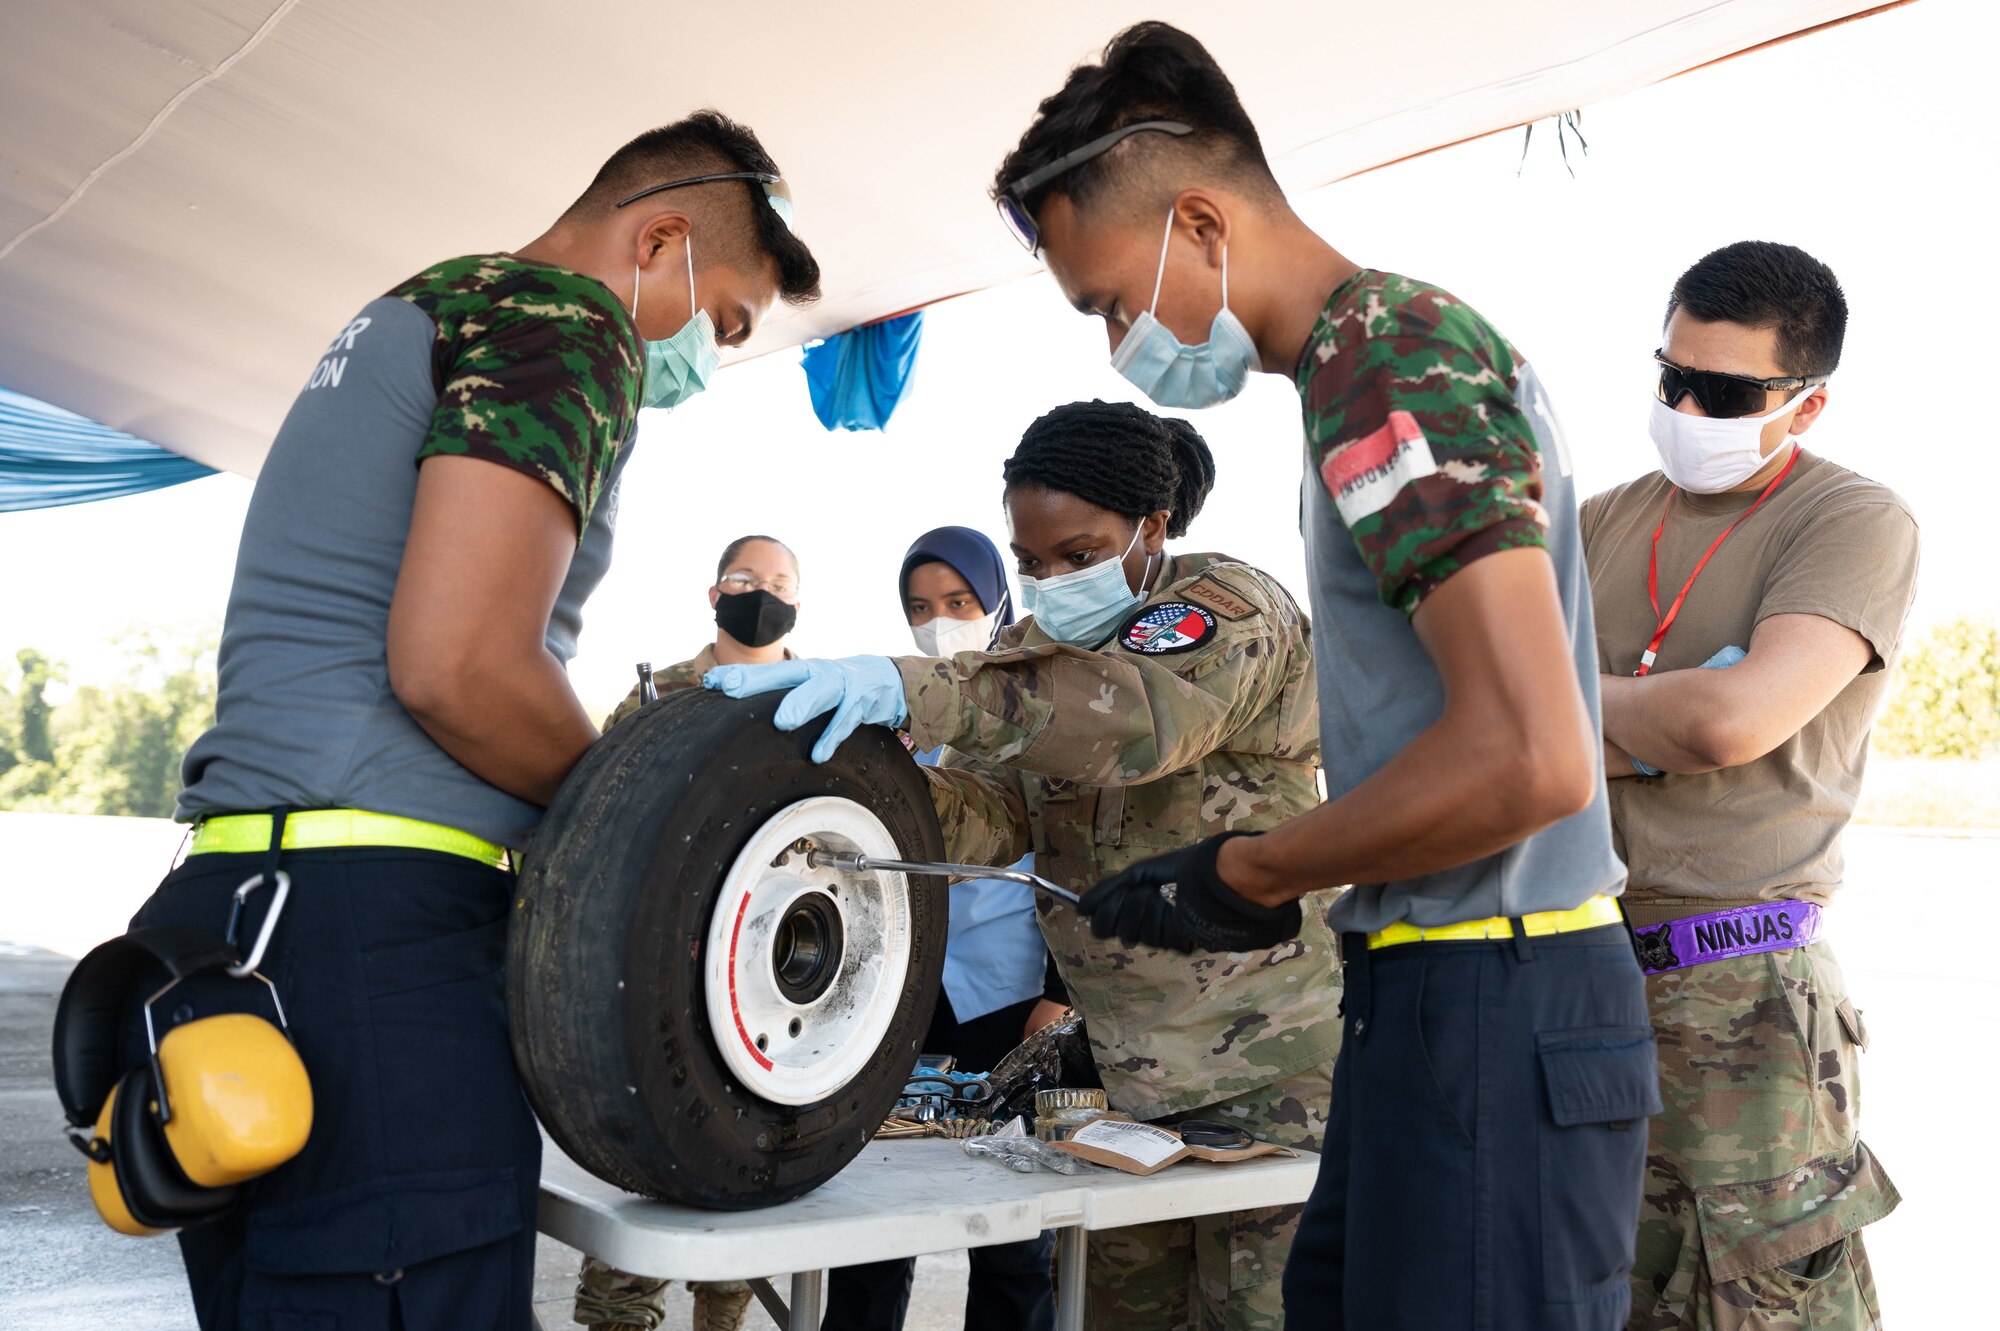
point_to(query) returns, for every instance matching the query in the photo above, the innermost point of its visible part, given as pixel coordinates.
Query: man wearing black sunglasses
(1788, 577)
(1483, 1155)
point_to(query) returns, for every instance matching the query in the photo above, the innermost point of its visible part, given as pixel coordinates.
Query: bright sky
(1870, 146)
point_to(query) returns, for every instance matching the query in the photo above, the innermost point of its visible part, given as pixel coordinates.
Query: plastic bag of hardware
(1058, 1055)
(1024, 1155)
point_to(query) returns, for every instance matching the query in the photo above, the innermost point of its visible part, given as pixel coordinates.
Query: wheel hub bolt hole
(796, 1027)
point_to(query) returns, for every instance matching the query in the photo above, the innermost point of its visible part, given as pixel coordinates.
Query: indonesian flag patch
(1167, 628)
(1364, 476)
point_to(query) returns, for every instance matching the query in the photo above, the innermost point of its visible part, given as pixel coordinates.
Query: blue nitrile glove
(1722, 660)
(858, 690)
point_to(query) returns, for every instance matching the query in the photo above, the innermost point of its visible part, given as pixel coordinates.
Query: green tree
(1945, 700)
(117, 749)
(31, 708)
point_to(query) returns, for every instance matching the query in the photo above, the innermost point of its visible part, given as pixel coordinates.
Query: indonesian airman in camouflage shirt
(1198, 717)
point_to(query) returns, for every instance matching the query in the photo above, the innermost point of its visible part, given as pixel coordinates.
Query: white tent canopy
(194, 194)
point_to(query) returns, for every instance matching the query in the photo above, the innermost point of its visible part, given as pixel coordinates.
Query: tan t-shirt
(1827, 542)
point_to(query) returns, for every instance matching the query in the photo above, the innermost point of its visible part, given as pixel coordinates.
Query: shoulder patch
(1167, 628)
(1364, 476)
(1219, 598)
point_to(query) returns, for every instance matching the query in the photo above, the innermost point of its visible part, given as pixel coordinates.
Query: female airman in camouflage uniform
(1137, 712)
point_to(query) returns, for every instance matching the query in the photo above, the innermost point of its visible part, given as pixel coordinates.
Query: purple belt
(1722, 934)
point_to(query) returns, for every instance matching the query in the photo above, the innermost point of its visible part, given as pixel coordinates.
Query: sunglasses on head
(1724, 396)
(1012, 201)
(776, 192)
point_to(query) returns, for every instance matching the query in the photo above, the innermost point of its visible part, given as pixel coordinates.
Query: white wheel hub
(805, 966)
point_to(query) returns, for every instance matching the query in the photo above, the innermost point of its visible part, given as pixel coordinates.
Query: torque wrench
(853, 861)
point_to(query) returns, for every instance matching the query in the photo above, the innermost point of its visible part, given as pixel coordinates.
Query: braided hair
(1119, 457)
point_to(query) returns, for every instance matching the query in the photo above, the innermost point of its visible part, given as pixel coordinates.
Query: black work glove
(1178, 901)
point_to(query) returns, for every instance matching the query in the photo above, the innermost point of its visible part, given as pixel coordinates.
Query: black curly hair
(1119, 457)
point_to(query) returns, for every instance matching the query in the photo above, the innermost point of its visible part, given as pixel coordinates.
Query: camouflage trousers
(1757, 1181)
(1214, 1272)
(607, 1297)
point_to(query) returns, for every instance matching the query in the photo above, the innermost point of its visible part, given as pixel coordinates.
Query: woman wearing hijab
(999, 985)
(953, 589)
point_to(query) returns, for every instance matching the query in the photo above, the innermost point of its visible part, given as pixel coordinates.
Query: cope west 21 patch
(1167, 628)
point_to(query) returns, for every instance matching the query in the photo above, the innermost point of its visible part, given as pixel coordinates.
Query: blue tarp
(49, 457)
(856, 378)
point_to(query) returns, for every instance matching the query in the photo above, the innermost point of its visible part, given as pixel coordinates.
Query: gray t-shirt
(477, 356)
(1429, 445)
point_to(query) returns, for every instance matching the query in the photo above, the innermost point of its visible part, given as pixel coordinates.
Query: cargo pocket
(384, 1227)
(1241, 1250)
(1850, 1021)
(1749, 1229)
(1603, 1083)
(297, 1252)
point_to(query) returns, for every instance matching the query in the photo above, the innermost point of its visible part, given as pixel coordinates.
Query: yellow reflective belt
(1592, 914)
(323, 829)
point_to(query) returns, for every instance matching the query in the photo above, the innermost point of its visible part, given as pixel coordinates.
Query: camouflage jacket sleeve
(538, 369)
(1114, 717)
(1414, 428)
(982, 814)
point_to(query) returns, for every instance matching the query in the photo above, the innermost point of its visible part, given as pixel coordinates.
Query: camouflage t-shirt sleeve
(537, 368)
(1416, 434)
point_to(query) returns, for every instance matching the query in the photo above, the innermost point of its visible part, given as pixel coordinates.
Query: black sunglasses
(1724, 396)
(1012, 201)
(776, 192)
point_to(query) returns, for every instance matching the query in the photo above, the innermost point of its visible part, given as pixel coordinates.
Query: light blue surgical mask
(1082, 608)
(1173, 374)
(680, 366)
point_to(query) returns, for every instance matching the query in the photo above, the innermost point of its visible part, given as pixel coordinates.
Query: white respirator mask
(945, 636)
(1706, 455)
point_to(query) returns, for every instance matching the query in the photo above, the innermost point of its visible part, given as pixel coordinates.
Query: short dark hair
(1119, 457)
(709, 141)
(1150, 71)
(735, 548)
(1762, 284)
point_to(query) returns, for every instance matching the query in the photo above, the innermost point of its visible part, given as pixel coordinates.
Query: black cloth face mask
(755, 619)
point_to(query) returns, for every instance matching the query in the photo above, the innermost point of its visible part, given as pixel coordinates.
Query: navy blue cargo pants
(1485, 1149)
(413, 1204)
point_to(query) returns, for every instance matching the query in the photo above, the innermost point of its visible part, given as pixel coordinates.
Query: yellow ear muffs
(240, 1104)
(217, 1101)
(105, 1194)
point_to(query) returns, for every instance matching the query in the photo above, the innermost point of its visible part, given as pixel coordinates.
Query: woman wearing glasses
(1149, 701)
(756, 601)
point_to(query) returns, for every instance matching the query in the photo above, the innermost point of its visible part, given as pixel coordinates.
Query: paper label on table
(1141, 1148)
(1142, 1143)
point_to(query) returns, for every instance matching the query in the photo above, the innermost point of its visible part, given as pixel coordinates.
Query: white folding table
(897, 1199)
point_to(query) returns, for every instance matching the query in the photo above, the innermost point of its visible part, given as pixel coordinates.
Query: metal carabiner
(282, 885)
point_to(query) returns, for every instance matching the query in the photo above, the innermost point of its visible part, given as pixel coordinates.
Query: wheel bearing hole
(806, 949)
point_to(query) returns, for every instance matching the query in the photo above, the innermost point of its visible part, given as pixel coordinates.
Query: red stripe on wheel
(735, 1008)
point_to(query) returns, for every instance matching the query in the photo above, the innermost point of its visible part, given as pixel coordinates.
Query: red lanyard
(1652, 651)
